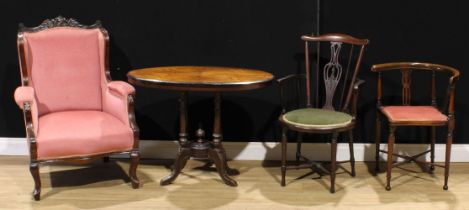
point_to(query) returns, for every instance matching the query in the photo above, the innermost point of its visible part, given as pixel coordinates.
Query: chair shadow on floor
(189, 190)
(315, 181)
(404, 180)
(67, 179)
(193, 196)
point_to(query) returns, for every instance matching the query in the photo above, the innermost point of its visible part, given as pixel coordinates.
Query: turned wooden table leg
(217, 154)
(184, 147)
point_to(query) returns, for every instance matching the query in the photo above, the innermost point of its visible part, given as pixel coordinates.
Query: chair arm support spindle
(282, 82)
(356, 87)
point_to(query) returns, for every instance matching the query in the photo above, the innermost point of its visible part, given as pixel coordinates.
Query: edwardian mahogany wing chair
(416, 115)
(72, 109)
(332, 113)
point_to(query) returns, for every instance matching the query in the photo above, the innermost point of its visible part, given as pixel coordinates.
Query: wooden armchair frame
(348, 100)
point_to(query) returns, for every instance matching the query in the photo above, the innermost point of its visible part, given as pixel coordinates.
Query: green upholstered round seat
(318, 118)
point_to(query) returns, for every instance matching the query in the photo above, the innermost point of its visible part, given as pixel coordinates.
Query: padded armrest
(24, 94)
(115, 100)
(121, 87)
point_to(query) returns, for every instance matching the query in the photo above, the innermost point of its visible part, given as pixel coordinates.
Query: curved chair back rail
(332, 63)
(406, 69)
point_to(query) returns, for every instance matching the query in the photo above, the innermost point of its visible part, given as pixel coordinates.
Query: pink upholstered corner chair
(72, 109)
(408, 114)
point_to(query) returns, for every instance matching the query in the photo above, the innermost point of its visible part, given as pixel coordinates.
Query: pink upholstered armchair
(72, 109)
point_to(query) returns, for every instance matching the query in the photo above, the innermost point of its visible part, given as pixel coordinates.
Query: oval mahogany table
(200, 78)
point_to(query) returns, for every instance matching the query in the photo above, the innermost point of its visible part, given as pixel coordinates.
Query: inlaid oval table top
(200, 78)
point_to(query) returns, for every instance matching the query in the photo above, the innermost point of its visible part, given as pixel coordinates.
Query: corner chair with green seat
(333, 84)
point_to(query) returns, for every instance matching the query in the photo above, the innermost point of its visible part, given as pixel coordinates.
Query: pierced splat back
(408, 69)
(334, 75)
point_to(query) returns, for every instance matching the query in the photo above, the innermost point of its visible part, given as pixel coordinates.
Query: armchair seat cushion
(413, 114)
(317, 118)
(81, 133)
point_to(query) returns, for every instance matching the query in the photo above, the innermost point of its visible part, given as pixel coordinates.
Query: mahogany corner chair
(72, 110)
(406, 114)
(332, 113)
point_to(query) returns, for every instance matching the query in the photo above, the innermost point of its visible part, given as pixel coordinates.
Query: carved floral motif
(59, 21)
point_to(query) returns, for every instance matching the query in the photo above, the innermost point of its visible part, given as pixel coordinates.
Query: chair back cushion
(66, 68)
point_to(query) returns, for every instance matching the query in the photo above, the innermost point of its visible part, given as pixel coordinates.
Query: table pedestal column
(201, 148)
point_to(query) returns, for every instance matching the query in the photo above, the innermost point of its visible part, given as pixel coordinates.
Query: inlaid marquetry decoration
(406, 82)
(332, 73)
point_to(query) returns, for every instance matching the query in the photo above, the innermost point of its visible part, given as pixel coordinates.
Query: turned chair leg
(432, 148)
(134, 160)
(299, 140)
(284, 156)
(391, 140)
(333, 161)
(377, 141)
(449, 142)
(34, 169)
(352, 155)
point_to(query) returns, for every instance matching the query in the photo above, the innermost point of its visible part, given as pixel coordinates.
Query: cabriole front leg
(134, 153)
(34, 169)
(31, 137)
(134, 160)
